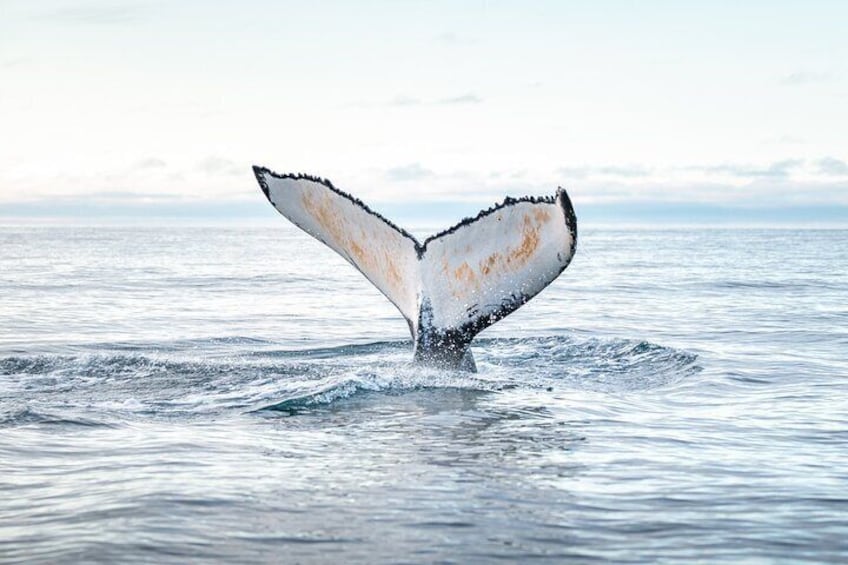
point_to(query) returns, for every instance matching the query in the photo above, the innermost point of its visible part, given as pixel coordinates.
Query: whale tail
(452, 285)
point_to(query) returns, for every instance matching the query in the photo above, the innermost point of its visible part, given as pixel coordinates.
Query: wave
(818, 284)
(28, 416)
(161, 379)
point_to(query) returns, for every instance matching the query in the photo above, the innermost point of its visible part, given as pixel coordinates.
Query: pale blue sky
(156, 103)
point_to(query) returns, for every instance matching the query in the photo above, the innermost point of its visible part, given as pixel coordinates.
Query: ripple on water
(165, 385)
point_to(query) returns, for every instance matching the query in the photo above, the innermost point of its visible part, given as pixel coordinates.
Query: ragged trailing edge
(259, 172)
(508, 201)
(568, 209)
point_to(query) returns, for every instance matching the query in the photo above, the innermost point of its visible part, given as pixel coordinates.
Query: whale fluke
(456, 283)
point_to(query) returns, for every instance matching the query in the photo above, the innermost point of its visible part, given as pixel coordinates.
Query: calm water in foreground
(242, 394)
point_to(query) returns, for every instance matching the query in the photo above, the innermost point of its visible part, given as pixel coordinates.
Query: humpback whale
(455, 283)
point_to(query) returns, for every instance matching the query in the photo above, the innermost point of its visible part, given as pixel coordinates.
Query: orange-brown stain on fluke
(465, 274)
(490, 263)
(333, 222)
(529, 243)
(392, 272)
(466, 279)
(542, 215)
(357, 251)
(323, 213)
(517, 257)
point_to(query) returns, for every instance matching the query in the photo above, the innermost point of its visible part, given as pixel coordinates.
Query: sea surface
(241, 394)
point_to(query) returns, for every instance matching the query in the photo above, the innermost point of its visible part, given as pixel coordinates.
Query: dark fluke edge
(261, 172)
(444, 305)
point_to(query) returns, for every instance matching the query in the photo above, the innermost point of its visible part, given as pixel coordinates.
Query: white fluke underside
(457, 282)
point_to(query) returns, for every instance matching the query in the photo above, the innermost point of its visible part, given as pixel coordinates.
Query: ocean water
(241, 394)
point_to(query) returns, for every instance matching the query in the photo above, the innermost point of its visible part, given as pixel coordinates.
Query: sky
(653, 110)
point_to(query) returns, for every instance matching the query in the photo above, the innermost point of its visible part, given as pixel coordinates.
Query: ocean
(177, 394)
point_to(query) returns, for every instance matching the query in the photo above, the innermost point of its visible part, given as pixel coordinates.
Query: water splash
(165, 381)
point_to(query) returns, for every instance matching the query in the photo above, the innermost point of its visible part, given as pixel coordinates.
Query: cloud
(129, 196)
(832, 166)
(757, 193)
(464, 99)
(13, 62)
(790, 140)
(625, 171)
(220, 166)
(778, 169)
(800, 78)
(403, 100)
(453, 39)
(97, 14)
(786, 181)
(151, 163)
(413, 171)
(419, 190)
